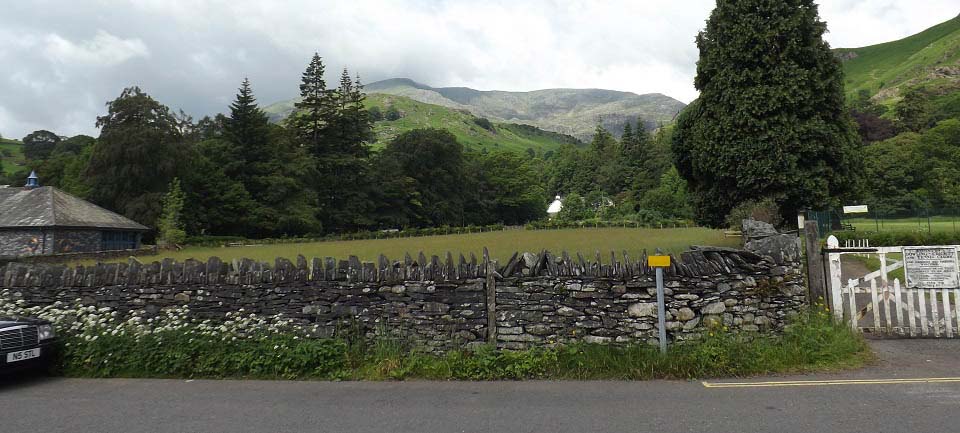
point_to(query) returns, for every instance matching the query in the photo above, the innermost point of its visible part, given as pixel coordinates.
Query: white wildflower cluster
(90, 323)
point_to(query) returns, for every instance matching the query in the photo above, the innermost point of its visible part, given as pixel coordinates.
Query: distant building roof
(49, 207)
(555, 207)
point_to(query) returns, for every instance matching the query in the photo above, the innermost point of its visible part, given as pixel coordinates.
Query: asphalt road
(877, 401)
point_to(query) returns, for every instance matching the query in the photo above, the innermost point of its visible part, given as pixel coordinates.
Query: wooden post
(816, 280)
(491, 287)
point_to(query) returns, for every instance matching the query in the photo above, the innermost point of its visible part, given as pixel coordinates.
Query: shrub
(765, 210)
(392, 114)
(484, 123)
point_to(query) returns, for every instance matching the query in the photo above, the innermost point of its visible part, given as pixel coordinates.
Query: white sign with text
(931, 267)
(856, 209)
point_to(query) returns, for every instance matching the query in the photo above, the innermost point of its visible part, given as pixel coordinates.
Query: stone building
(37, 220)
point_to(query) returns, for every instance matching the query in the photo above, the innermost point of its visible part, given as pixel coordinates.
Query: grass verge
(813, 342)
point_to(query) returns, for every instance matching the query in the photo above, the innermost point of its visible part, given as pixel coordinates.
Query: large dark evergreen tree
(770, 121)
(136, 156)
(316, 109)
(334, 126)
(248, 131)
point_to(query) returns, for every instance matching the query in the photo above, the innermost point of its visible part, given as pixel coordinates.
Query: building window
(119, 241)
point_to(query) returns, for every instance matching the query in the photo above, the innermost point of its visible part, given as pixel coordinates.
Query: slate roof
(49, 207)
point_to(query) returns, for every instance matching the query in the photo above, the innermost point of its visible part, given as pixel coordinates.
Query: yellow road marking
(829, 382)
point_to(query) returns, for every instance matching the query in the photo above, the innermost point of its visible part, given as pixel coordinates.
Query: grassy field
(10, 163)
(501, 244)
(936, 224)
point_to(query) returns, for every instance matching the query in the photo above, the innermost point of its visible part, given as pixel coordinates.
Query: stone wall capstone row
(539, 299)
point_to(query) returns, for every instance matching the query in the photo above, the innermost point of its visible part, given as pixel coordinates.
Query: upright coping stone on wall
(699, 261)
(762, 238)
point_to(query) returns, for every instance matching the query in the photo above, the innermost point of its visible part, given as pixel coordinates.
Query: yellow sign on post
(658, 261)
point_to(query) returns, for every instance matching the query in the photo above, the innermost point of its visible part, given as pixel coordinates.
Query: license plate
(23, 355)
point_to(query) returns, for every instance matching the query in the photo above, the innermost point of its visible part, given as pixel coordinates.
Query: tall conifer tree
(316, 107)
(248, 130)
(333, 125)
(770, 121)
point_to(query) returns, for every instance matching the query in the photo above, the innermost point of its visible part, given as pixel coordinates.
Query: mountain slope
(574, 112)
(930, 58)
(461, 123)
(569, 111)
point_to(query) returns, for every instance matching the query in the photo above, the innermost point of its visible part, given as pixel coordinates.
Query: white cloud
(104, 50)
(64, 58)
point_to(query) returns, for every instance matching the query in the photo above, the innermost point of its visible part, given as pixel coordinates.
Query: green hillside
(461, 123)
(930, 58)
(568, 111)
(573, 112)
(14, 149)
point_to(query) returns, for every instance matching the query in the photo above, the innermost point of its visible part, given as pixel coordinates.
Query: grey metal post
(661, 312)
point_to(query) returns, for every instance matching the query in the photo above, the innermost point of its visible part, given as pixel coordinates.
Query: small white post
(836, 286)
(884, 281)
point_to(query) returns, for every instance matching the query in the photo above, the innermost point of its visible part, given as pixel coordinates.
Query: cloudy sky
(60, 61)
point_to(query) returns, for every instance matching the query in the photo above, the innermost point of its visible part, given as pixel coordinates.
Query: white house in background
(555, 207)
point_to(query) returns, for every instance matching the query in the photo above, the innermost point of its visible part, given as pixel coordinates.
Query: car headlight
(45, 332)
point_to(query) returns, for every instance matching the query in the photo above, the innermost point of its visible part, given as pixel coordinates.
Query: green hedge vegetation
(813, 342)
(901, 238)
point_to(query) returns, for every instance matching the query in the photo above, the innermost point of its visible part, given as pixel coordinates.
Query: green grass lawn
(501, 244)
(936, 224)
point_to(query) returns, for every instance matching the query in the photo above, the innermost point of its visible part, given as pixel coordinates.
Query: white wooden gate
(874, 304)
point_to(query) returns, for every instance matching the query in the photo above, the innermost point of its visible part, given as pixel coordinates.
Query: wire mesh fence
(877, 219)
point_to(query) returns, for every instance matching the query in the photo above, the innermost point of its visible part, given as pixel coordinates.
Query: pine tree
(353, 126)
(347, 135)
(334, 126)
(605, 163)
(316, 107)
(771, 120)
(248, 131)
(362, 119)
(627, 139)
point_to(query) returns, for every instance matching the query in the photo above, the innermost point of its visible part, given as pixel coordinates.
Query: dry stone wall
(535, 299)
